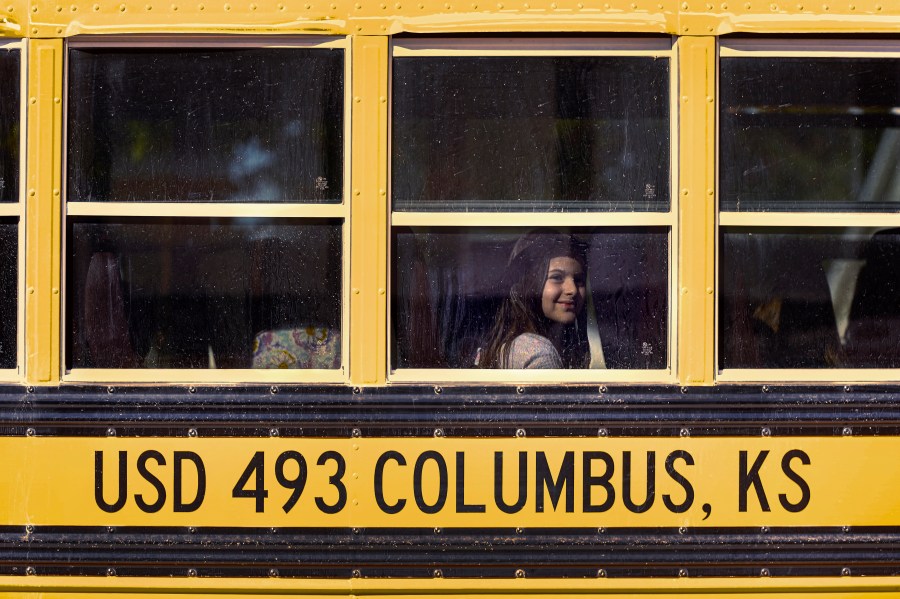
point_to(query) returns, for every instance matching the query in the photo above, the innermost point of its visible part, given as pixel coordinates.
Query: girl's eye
(555, 278)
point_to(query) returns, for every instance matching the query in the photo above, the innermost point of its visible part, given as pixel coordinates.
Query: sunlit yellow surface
(851, 482)
(132, 588)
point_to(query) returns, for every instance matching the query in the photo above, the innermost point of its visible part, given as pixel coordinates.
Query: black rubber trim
(465, 411)
(578, 553)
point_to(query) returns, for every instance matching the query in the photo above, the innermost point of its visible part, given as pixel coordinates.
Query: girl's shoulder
(530, 350)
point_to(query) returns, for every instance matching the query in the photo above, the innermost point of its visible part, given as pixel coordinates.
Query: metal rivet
(684, 390)
(356, 433)
(110, 390)
(764, 572)
(685, 432)
(438, 432)
(110, 529)
(437, 574)
(273, 390)
(520, 432)
(602, 388)
(437, 530)
(520, 390)
(273, 530)
(845, 529)
(273, 573)
(29, 389)
(356, 531)
(682, 573)
(763, 529)
(110, 432)
(766, 431)
(192, 529)
(192, 572)
(273, 432)
(192, 432)
(519, 531)
(356, 574)
(438, 390)
(601, 573)
(765, 389)
(30, 571)
(30, 432)
(110, 571)
(192, 389)
(29, 528)
(845, 571)
(682, 530)
(847, 389)
(520, 573)
(357, 390)
(847, 431)
(602, 432)
(601, 530)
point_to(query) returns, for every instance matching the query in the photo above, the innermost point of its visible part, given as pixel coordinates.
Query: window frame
(17, 210)
(656, 46)
(299, 211)
(795, 48)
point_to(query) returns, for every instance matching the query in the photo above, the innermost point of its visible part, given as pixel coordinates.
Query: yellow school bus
(449, 298)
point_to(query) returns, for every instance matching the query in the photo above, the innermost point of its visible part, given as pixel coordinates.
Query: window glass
(810, 298)
(205, 125)
(818, 134)
(530, 134)
(204, 293)
(9, 284)
(452, 286)
(9, 125)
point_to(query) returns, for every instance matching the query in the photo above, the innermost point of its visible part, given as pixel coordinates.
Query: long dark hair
(521, 311)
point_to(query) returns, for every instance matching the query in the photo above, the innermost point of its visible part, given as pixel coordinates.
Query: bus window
(10, 204)
(495, 149)
(812, 289)
(451, 283)
(531, 134)
(9, 124)
(206, 213)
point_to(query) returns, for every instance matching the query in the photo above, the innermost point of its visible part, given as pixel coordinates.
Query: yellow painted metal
(744, 482)
(697, 159)
(368, 252)
(57, 587)
(43, 233)
(52, 18)
(13, 18)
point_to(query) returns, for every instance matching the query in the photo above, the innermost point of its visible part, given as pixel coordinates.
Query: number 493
(256, 472)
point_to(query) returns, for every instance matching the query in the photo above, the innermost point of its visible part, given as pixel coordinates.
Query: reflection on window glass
(198, 293)
(530, 134)
(205, 125)
(810, 298)
(9, 277)
(9, 125)
(810, 134)
(511, 298)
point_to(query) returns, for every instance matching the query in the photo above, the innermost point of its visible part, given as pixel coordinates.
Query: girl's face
(564, 291)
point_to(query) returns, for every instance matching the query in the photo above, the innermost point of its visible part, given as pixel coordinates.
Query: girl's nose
(569, 286)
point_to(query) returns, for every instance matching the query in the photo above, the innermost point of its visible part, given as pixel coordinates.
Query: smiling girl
(540, 323)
